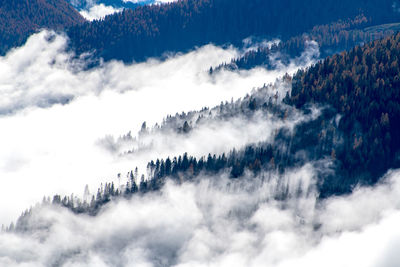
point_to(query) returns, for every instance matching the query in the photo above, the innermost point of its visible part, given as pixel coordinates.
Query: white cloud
(215, 221)
(97, 12)
(53, 112)
(253, 44)
(193, 224)
(215, 134)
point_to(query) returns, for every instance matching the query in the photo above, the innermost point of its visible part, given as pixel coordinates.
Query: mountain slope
(352, 140)
(20, 18)
(363, 86)
(152, 30)
(332, 38)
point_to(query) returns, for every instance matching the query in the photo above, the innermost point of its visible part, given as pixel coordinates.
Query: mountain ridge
(19, 19)
(150, 31)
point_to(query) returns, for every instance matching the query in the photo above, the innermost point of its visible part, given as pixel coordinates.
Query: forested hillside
(152, 30)
(350, 129)
(362, 85)
(293, 144)
(331, 38)
(200, 133)
(20, 18)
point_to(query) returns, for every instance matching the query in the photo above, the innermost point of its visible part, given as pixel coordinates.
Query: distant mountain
(20, 18)
(150, 31)
(332, 38)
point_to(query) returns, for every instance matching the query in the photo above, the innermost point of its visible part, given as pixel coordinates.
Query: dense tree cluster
(152, 30)
(357, 131)
(357, 92)
(312, 140)
(20, 18)
(362, 85)
(332, 38)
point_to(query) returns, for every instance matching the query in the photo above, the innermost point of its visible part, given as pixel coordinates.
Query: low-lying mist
(57, 117)
(217, 221)
(97, 12)
(54, 111)
(215, 131)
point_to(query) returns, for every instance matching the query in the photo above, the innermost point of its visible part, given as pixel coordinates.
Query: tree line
(332, 38)
(20, 18)
(363, 86)
(149, 31)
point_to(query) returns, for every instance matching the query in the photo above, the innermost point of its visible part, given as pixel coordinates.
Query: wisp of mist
(56, 116)
(217, 221)
(54, 112)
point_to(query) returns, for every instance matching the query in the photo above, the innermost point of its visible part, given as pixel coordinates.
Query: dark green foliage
(312, 140)
(331, 38)
(364, 86)
(357, 131)
(152, 30)
(20, 18)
